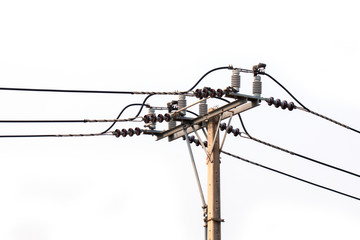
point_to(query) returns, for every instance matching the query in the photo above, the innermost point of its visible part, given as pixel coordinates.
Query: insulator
(146, 118)
(222, 126)
(212, 93)
(270, 101)
(236, 132)
(203, 108)
(167, 117)
(277, 103)
(205, 92)
(117, 133)
(171, 124)
(230, 128)
(284, 104)
(131, 132)
(191, 139)
(291, 106)
(198, 93)
(160, 118)
(219, 93)
(197, 142)
(205, 143)
(257, 86)
(235, 79)
(124, 132)
(182, 104)
(137, 131)
(153, 118)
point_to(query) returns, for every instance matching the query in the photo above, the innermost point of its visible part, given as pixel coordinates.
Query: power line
(70, 121)
(305, 108)
(130, 105)
(152, 94)
(272, 78)
(212, 70)
(291, 176)
(329, 119)
(293, 153)
(91, 91)
(55, 135)
(302, 156)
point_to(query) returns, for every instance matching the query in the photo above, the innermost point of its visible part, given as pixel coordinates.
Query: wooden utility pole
(214, 216)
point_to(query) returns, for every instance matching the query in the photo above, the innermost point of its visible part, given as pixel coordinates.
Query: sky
(134, 188)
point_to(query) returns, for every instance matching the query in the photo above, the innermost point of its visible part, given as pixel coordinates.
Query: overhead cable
(329, 119)
(55, 135)
(291, 176)
(91, 91)
(293, 153)
(70, 121)
(305, 108)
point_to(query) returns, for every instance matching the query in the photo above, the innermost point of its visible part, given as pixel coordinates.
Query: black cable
(43, 121)
(113, 92)
(291, 176)
(142, 105)
(302, 156)
(307, 109)
(192, 113)
(294, 153)
(65, 90)
(212, 70)
(272, 78)
(241, 121)
(130, 105)
(54, 135)
(331, 120)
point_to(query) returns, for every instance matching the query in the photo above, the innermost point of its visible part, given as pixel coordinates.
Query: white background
(136, 188)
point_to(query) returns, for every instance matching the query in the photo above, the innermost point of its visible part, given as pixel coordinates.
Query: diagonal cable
(291, 176)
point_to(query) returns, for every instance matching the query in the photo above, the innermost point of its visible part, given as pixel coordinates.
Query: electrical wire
(55, 135)
(302, 156)
(212, 70)
(91, 91)
(68, 121)
(293, 153)
(329, 119)
(277, 82)
(115, 92)
(130, 105)
(291, 176)
(288, 151)
(307, 109)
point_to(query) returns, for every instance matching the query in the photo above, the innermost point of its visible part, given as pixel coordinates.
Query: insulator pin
(137, 131)
(203, 108)
(235, 79)
(219, 93)
(117, 133)
(257, 87)
(124, 132)
(236, 132)
(131, 132)
(230, 129)
(171, 124)
(167, 117)
(283, 104)
(182, 104)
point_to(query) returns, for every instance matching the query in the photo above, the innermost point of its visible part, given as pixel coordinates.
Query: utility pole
(214, 214)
